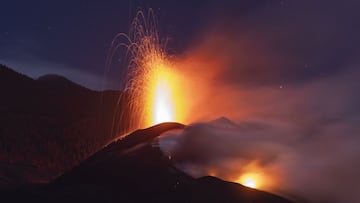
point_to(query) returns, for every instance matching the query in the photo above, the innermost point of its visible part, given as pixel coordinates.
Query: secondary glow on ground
(252, 180)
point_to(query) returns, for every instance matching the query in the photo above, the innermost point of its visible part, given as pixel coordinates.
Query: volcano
(134, 169)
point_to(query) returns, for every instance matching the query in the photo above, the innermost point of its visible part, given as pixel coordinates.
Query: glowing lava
(163, 105)
(252, 180)
(163, 95)
(152, 92)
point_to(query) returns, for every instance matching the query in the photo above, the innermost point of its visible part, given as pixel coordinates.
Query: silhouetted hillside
(51, 123)
(59, 84)
(135, 170)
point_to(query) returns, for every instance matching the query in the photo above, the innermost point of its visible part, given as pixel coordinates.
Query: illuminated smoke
(298, 139)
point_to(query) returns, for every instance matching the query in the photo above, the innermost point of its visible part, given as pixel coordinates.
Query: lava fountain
(162, 94)
(152, 85)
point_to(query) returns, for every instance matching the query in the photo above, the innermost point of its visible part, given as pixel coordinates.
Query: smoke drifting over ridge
(303, 141)
(290, 91)
(291, 164)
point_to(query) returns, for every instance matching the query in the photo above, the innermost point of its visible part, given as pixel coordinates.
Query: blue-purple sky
(71, 38)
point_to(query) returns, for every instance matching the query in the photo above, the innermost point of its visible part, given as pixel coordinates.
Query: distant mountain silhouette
(9, 75)
(51, 123)
(59, 83)
(135, 170)
(55, 78)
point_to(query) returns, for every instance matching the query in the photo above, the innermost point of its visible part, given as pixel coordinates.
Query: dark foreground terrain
(50, 128)
(135, 170)
(50, 124)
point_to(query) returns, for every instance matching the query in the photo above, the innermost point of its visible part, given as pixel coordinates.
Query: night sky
(287, 70)
(72, 38)
(302, 40)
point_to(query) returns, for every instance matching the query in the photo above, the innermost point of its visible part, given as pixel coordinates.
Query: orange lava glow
(164, 101)
(252, 180)
(254, 176)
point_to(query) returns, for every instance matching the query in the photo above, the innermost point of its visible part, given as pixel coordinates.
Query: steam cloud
(305, 138)
(290, 91)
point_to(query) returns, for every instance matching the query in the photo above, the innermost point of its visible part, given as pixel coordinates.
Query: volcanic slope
(134, 169)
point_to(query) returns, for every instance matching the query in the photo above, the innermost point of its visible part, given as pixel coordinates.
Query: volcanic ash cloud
(317, 168)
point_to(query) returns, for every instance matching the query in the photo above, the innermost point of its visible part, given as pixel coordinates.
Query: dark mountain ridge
(52, 123)
(135, 170)
(59, 84)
